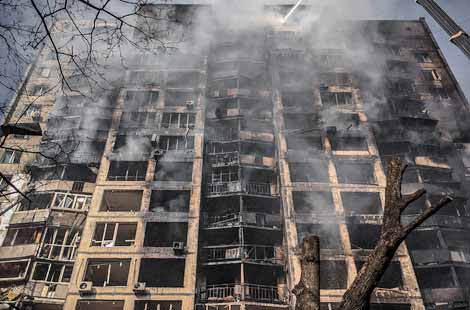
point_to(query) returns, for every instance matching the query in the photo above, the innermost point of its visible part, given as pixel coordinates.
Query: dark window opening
(140, 98)
(303, 121)
(107, 272)
(160, 234)
(423, 240)
(121, 200)
(328, 233)
(174, 171)
(176, 143)
(162, 272)
(170, 201)
(331, 99)
(315, 171)
(114, 234)
(157, 305)
(13, 269)
(297, 99)
(127, 170)
(100, 305)
(37, 202)
(392, 278)
(436, 277)
(456, 239)
(52, 272)
(363, 236)
(179, 98)
(178, 120)
(182, 79)
(349, 143)
(10, 157)
(352, 172)
(20, 236)
(313, 202)
(361, 203)
(302, 143)
(333, 275)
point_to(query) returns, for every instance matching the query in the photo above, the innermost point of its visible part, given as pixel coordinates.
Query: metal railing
(264, 254)
(250, 218)
(263, 189)
(257, 188)
(223, 134)
(224, 159)
(237, 292)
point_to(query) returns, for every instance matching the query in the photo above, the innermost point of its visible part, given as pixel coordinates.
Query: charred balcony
(240, 129)
(298, 101)
(242, 153)
(247, 253)
(258, 108)
(236, 87)
(127, 170)
(241, 180)
(252, 219)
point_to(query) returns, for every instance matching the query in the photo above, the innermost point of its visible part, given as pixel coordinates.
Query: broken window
(423, 57)
(303, 122)
(101, 305)
(224, 175)
(178, 120)
(127, 170)
(361, 203)
(10, 157)
(392, 278)
(121, 200)
(440, 93)
(140, 98)
(107, 272)
(138, 119)
(179, 98)
(170, 201)
(176, 143)
(114, 234)
(333, 275)
(158, 305)
(328, 233)
(354, 172)
(430, 75)
(174, 171)
(304, 142)
(423, 240)
(363, 236)
(160, 234)
(313, 202)
(162, 272)
(13, 269)
(24, 235)
(60, 243)
(182, 79)
(435, 277)
(297, 99)
(315, 171)
(36, 201)
(52, 272)
(71, 201)
(348, 143)
(402, 87)
(335, 99)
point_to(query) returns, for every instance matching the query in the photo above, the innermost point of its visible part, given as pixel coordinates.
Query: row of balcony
(237, 187)
(243, 292)
(260, 254)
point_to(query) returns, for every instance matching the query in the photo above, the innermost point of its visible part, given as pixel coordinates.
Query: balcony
(231, 188)
(235, 159)
(16, 251)
(258, 254)
(30, 216)
(245, 292)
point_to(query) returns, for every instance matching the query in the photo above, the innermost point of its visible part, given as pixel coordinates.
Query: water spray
(291, 11)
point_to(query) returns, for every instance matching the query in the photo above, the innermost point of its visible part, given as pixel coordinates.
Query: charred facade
(191, 184)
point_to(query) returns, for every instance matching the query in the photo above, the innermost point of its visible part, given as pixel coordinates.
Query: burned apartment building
(191, 184)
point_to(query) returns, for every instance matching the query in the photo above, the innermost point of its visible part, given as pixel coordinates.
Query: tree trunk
(307, 291)
(357, 297)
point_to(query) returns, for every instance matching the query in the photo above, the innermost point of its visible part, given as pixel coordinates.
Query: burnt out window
(353, 172)
(10, 157)
(138, 119)
(141, 98)
(392, 278)
(162, 272)
(83, 304)
(37, 202)
(302, 143)
(170, 201)
(313, 202)
(430, 75)
(114, 234)
(52, 272)
(363, 236)
(178, 120)
(157, 304)
(176, 143)
(160, 234)
(315, 171)
(423, 240)
(456, 239)
(349, 143)
(333, 275)
(224, 174)
(440, 93)
(334, 99)
(423, 57)
(361, 203)
(127, 170)
(297, 99)
(300, 121)
(328, 233)
(121, 200)
(13, 269)
(107, 272)
(435, 277)
(179, 98)
(174, 171)
(182, 79)
(24, 235)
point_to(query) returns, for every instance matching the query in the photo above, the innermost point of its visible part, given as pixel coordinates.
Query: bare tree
(307, 291)
(392, 234)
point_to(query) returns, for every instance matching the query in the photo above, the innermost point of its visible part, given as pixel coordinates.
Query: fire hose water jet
(291, 11)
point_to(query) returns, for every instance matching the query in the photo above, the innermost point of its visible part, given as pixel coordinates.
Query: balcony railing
(262, 254)
(249, 218)
(228, 188)
(223, 134)
(236, 292)
(224, 159)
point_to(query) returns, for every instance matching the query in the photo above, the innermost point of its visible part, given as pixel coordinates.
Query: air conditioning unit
(85, 287)
(178, 247)
(139, 288)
